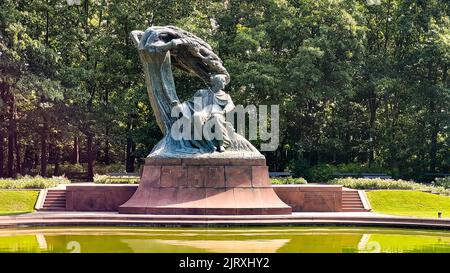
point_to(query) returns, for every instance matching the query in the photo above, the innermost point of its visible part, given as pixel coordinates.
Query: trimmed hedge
(326, 172)
(442, 182)
(386, 184)
(106, 179)
(28, 182)
(288, 180)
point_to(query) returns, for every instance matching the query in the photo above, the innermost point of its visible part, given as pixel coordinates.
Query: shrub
(112, 168)
(386, 184)
(299, 168)
(326, 172)
(289, 180)
(359, 168)
(321, 173)
(442, 182)
(72, 168)
(101, 179)
(374, 183)
(28, 182)
(106, 179)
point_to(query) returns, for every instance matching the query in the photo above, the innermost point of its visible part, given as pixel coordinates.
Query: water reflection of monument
(294, 240)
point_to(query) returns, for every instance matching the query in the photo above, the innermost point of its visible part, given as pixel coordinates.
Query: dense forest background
(359, 85)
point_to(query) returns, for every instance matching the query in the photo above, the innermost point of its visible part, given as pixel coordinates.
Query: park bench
(280, 174)
(435, 175)
(364, 175)
(77, 177)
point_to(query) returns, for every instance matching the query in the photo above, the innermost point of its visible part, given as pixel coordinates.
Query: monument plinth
(205, 186)
(202, 166)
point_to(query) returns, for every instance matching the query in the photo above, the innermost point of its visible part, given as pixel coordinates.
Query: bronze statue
(159, 49)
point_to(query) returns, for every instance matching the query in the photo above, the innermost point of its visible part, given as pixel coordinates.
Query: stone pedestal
(311, 197)
(215, 186)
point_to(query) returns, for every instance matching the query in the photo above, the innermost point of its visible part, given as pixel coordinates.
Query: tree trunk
(17, 150)
(107, 160)
(98, 151)
(35, 161)
(76, 151)
(57, 170)
(433, 134)
(393, 132)
(2, 145)
(90, 158)
(434, 123)
(130, 152)
(44, 146)
(372, 118)
(11, 134)
(2, 125)
(10, 166)
(27, 163)
(433, 151)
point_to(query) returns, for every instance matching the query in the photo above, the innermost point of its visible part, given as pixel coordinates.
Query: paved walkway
(297, 218)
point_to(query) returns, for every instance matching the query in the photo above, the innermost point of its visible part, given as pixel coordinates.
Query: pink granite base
(107, 197)
(311, 198)
(88, 197)
(205, 186)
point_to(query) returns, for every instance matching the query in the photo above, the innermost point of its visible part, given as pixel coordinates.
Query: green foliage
(326, 172)
(288, 180)
(112, 168)
(321, 173)
(355, 83)
(299, 168)
(72, 168)
(106, 179)
(101, 179)
(442, 182)
(374, 183)
(28, 182)
(386, 184)
(359, 168)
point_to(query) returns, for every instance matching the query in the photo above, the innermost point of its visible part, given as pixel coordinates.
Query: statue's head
(219, 81)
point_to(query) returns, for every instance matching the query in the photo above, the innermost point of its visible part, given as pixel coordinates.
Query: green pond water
(247, 240)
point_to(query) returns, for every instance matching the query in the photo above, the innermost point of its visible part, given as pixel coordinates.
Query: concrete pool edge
(295, 219)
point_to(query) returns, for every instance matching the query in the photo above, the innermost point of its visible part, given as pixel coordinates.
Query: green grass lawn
(409, 203)
(17, 201)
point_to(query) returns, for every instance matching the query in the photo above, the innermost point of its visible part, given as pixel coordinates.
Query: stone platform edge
(296, 219)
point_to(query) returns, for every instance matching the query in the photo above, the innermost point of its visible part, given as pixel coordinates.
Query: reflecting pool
(246, 240)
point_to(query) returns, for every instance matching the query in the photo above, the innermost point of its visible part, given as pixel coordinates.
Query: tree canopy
(355, 82)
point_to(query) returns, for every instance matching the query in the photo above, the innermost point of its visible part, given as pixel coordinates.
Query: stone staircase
(351, 201)
(55, 200)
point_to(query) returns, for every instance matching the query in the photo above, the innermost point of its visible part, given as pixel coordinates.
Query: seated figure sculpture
(206, 111)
